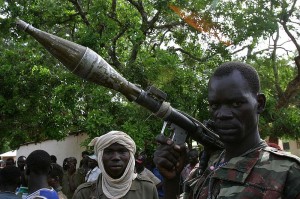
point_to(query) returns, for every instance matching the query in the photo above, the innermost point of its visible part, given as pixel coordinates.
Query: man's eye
(213, 106)
(236, 104)
(123, 151)
(108, 151)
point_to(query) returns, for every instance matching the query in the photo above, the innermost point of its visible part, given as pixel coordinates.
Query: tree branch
(80, 10)
(170, 25)
(293, 88)
(193, 56)
(112, 51)
(274, 66)
(139, 6)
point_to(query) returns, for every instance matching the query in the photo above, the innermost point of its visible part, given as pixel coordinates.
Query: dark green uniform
(71, 182)
(265, 173)
(141, 188)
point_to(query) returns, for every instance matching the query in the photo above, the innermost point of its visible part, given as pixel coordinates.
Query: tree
(149, 44)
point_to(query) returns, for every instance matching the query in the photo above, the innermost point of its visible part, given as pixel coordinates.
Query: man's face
(21, 162)
(115, 159)
(193, 157)
(92, 163)
(72, 164)
(233, 107)
(10, 162)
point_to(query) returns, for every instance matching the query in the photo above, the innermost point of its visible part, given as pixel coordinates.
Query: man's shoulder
(278, 154)
(143, 178)
(84, 190)
(87, 186)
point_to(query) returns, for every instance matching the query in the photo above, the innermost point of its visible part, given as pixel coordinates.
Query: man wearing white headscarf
(115, 152)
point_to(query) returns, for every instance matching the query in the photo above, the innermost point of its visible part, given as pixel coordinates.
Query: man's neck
(235, 150)
(36, 183)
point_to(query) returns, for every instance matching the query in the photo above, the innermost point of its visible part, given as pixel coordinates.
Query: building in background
(5, 156)
(69, 147)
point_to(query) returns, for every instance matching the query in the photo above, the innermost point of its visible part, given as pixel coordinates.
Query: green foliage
(148, 44)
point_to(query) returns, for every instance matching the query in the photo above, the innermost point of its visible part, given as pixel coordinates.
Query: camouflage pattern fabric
(265, 173)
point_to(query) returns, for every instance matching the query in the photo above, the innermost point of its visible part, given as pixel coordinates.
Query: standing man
(21, 162)
(9, 181)
(193, 163)
(55, 179)
(248, 167)
(115, 152)
(10, 162)
(143, 171)
(38, 166)
(72, 178)
(94, 171)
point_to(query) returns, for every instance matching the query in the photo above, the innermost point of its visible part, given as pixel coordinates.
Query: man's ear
(50, 169)
(27, 171)
(261, 99)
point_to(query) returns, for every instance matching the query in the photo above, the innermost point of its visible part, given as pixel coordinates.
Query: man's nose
(224, 113)
(116, 156)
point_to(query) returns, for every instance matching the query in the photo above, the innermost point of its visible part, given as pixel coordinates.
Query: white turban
(115, 188)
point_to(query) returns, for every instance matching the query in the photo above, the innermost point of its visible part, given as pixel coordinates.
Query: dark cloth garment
(263, 173)
(8, 195)
(141, 188)
(76, 179)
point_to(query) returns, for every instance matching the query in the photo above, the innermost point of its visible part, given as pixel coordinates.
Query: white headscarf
(115, 188)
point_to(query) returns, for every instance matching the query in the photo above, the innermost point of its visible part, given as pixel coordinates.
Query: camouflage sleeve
(292, 183)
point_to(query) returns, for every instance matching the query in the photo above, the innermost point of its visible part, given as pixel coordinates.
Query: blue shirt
(45, 193)
(158, 175)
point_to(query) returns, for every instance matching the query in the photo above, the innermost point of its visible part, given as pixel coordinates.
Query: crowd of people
(114, 168)
(247, 167)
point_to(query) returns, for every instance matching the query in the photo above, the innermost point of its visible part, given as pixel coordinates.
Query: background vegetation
(173, 45)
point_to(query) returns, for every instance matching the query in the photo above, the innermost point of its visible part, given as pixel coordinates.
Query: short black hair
(39, 162)
(84, 153)
(22, 156)
(248, 72)
(71, 159)
(56, 172)
(10, 176)
(194, 151)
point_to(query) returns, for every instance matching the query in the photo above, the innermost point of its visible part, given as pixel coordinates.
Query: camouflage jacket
(265, 173)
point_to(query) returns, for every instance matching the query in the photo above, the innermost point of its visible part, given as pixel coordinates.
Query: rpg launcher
(87, 64)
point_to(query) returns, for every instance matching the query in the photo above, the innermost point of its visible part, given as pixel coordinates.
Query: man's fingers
(161, 139)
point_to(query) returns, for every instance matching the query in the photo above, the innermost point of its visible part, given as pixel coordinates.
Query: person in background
(143, 171)
(83, 165)
(65, 165)
(55, 179)
(9, 181)
(21, 162)
(84, 155)
(94, 171)
(72, 178)
(38, 166)
(115, 152)
(159, 187)
(53, 159)
(10, 162)
(193, 163)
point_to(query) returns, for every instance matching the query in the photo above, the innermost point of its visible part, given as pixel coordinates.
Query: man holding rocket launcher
(90, 66)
